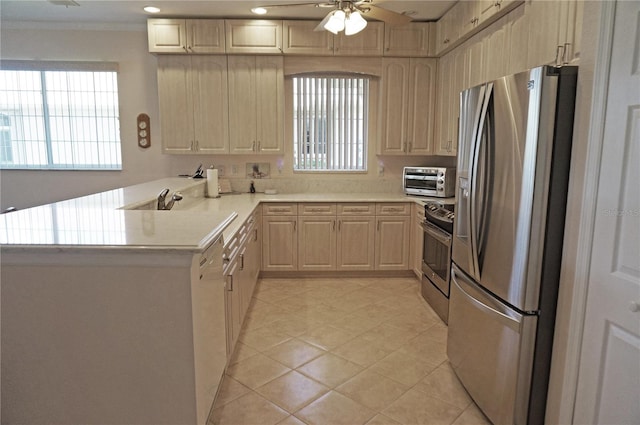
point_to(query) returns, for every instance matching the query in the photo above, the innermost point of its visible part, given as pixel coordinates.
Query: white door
(608, 389)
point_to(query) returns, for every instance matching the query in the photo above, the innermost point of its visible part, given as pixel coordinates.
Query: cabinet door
(317, 243)
(242, 104)
(253, 36)
(469, 16)
(280, 243)
(167, 35)
(299, 38)
(441, 137)
(232, 307)
(544, 19)
(474, 69)
(422, 99)
(417, 239)
(458, 64)
(447, 28)
(205, 36)
(392, 243)
(368, 42)
(395, 92)
(270, 104)
(355, 243)
(495, 50)
(211, 106)
(413, 39)
(176, 103)
(571, 30)
(518, 22)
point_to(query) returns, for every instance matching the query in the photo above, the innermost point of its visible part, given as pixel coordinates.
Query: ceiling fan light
(335, 24)
(354, 23)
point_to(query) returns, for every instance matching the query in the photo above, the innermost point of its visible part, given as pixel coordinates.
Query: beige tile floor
(331, 351)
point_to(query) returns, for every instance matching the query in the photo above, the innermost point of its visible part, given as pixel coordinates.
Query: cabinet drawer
(318, 208)
(392, 208)
(280, 209)
(357, 208)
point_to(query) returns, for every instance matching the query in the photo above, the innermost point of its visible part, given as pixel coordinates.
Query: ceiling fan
(348, 15)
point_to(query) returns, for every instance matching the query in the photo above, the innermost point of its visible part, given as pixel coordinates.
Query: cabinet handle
(255, 237)
(339, 224)
(408, 147)
(378, 226)
(230, 287)
(203, 261)
(559, 54)
(186, 49)
(241, 261)
(197, 145)
(334, 225)
(253, 146)
(295, 223)
(566, 54)
(259, 145)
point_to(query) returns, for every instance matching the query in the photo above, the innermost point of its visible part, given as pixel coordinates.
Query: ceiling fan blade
(388, 16)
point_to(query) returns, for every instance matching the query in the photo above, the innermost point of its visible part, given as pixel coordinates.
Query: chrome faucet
(162, 204)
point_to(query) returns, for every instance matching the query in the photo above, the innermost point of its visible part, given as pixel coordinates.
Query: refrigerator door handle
(475, 155)
(501, 317)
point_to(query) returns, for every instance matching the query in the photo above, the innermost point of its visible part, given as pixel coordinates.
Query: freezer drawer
(490, 347)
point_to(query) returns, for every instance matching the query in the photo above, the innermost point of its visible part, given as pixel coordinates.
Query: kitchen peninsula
(102, 318)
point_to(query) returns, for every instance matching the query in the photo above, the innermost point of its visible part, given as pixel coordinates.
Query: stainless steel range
(436, 256)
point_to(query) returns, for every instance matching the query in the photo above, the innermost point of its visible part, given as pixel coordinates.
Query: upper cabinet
(192, 93)
(368, 42)
(190, 36)
(253, 36)
(299, 38)
(414, 39)
(408, 104)
(448, 29)
(256, 104)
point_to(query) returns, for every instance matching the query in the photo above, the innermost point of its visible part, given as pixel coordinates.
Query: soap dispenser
(252, 188)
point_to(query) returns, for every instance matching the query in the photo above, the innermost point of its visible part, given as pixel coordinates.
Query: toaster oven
(429, 181)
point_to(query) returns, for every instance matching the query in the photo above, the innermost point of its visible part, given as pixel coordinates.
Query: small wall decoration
(144, 131)
(258, 170)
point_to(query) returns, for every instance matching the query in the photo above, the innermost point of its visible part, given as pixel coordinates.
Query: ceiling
(130, 11)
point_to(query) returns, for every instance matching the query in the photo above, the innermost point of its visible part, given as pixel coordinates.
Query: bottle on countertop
(252, 188)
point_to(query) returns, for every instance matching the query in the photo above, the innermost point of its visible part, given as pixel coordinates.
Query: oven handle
(417, 177)
(436, 233)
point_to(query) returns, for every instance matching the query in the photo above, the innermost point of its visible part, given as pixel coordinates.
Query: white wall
(138, 94)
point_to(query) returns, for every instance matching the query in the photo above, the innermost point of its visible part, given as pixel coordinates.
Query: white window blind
(59, 116)
(330, 115)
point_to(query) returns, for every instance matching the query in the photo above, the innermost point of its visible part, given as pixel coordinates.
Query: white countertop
(105, 220)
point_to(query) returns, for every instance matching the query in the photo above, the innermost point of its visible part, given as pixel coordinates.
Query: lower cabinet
(242, 258)
(336, 237)
(417, 239)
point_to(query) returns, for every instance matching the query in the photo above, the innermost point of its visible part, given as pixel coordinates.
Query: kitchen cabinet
(299, 38)
(413, 39)
(356, 236)
(280, 238)
(451, 81)
(469, 16)
(256, 104)
(187, 36)
(257, 36)
(417, 239)
(448, 29)
(408, 100)
(518, 23)
(495, 50)
(193, 103)
(368, 42)
(317, 243)
(474, 67)
(393, 223)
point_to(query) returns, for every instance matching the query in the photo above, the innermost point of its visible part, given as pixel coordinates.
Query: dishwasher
(209, 329)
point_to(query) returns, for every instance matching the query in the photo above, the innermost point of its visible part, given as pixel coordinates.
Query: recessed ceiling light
(151, 9)
(259, 10)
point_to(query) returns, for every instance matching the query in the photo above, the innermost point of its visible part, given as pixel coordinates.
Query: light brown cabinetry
(409, 98)
(448, 29)
(256, 99)
(356, 236)
(193, 102)
(451, 81)
(368, 42)
(280, 237)
(245, 36)
(299, 38)
(242, 260)
(317, 236)
(411, 40)
(190, 36)
(393, 223)
(417, 239)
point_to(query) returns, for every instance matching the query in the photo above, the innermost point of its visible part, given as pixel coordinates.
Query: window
(59, 116)
(330, 119)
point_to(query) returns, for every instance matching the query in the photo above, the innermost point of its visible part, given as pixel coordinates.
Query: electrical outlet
(380, 170)
(234, 169)
(220, 170)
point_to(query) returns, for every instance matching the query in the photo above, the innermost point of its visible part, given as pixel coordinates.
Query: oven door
(436, 256)
(421, 184)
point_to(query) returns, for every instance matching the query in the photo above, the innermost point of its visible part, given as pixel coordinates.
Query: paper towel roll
(212, 183)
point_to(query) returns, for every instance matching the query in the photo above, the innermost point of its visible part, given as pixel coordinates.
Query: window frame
(69, 66)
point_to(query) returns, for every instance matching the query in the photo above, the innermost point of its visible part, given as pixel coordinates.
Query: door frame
(582, 196)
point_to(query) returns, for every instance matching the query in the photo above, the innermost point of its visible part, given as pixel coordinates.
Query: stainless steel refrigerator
(513, 168)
